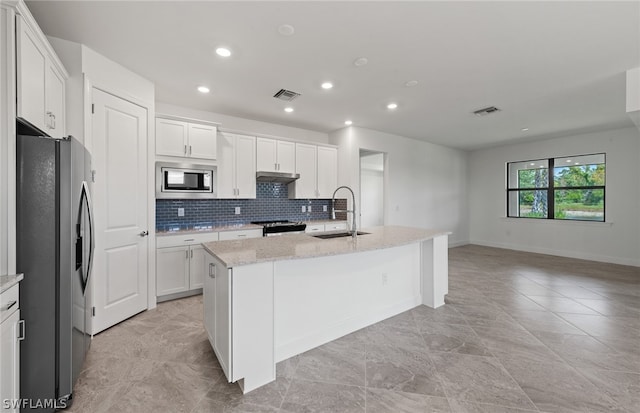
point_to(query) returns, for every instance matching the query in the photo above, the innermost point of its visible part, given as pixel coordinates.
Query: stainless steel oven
(179, 180)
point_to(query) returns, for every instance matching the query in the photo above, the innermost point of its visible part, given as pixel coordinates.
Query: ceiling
(555, 68)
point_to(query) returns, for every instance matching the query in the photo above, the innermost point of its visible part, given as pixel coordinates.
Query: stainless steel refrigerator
(54, 251)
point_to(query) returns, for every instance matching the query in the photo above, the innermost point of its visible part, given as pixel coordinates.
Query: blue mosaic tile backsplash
(271, 203)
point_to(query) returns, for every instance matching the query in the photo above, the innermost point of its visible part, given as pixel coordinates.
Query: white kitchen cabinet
(217, 311)
(40, 81)
(180, 263)
(10, 354)
(185, 139)
(318, 169)
(236, 166)
(240, 234)
(332, 226)
(327, 175)
(275, 155)
(305, 187)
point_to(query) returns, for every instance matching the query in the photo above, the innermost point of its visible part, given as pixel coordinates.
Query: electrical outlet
(384, 278)
(309, 208)
(324, 208)
(237, 210)
(304, 208)
(180, 212)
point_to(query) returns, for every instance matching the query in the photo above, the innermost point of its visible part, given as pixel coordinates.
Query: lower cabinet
(180, 263)
(10, 353)
(217, 311)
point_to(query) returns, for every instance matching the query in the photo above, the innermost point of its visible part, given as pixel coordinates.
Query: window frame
(551, 189)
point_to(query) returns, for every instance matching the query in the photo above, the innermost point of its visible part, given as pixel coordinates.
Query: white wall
(425, 186)
(372, 190)
(617, 240)
(242, 125)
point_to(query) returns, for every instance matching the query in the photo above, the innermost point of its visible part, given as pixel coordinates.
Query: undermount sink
(337, 235)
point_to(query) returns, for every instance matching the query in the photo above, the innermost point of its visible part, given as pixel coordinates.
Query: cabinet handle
(275, 165)
(185, 149)
(22, 331)
(53, 121)
(186, 254)
(241, 235)
(8, 306)
(191, 253)
(212, 270)
(189, 149)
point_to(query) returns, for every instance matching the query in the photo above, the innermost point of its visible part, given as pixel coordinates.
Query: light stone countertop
(8, 281)
(295, 246)
(236, 227)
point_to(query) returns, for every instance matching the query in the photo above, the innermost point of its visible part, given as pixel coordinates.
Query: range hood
(280, 177)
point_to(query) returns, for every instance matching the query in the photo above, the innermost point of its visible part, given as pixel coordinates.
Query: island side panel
(435, 271)
(252, 325)
(320, 299)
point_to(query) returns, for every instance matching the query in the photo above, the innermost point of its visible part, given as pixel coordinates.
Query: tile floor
(520, 333)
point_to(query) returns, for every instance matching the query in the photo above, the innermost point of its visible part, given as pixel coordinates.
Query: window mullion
(551, 208)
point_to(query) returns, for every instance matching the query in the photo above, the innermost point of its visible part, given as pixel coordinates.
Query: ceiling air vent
(284, 94)
(486, 111)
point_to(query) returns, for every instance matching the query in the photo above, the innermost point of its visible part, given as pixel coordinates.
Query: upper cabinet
(275, 155)
(40, 81)
(237, 166)
(185, 139)
(318, 169)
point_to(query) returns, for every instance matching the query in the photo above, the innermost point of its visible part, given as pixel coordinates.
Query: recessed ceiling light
(288, 109)
(411, 83)
(361, 61)
(532, 164)
(392, 105)
(347, 122)
(203, 89)
(327, 85)
(286, 30)
(223, 51)
(524, 129)
(541, 166)
(568, 160)
(577, 163)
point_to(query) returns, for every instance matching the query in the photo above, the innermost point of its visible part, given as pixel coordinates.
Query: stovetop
(281, 225)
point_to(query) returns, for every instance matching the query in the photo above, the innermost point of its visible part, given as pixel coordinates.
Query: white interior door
(120, 207)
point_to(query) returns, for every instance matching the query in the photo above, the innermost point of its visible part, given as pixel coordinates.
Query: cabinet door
(327, 171)
(202, 141)
(54, 95)
(222, 335)
(10, 360)
(286, 156)
(31, 64)
(305, 186)
(266, 158)
(196, 267)
(245, 166)
(172, 274)
(226, 183)
(171, 137)
(209, 298)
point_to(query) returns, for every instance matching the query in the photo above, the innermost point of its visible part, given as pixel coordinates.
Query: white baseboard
(458, 243)
(560, 253)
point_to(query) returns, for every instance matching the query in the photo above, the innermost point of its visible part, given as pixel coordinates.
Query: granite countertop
(296, 246)
(8, 281)
(235, 227)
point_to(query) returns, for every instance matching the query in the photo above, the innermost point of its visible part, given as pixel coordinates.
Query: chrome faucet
(354, 231)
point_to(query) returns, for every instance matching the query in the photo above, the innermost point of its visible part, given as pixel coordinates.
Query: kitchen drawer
(335, 226)
(166, 241)
(314, 228)
(9, 302)
(240, 234)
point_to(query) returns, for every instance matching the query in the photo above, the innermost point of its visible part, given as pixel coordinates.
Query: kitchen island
(268, 299)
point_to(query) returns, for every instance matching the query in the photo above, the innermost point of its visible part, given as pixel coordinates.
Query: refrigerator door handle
(85, 199)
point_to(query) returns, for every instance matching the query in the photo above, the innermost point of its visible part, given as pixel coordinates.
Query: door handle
(22, 331)
(212, 270)
(8, 306)
(144, 233)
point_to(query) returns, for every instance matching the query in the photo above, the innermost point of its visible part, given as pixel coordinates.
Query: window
(574, 191)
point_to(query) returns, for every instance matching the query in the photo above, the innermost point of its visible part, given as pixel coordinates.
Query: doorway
(371, 188)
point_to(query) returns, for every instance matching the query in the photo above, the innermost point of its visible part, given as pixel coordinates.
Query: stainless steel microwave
(178, 180)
